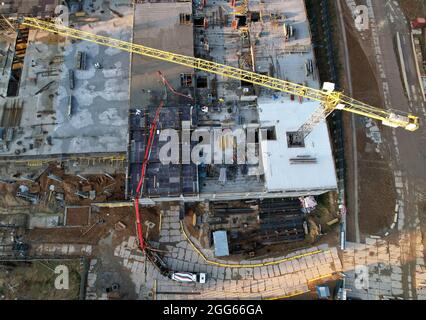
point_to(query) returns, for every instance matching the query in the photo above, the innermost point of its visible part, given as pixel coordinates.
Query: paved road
(386, 20)
(398, 23)
(384, 260)
(224, 282)
(409, 157)
(384, 276)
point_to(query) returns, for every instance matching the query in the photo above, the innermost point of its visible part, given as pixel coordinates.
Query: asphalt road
(411, 146)
(407, 148)
(411, 156)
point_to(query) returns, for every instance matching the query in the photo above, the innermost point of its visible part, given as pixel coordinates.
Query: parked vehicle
(418, 23)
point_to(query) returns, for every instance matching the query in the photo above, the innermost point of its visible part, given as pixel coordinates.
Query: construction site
(92, 93)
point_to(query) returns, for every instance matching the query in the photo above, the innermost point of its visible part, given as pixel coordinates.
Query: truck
(159, 263)
(188, 277)
(418, 23)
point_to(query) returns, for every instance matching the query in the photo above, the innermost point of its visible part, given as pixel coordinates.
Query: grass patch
(36, 280)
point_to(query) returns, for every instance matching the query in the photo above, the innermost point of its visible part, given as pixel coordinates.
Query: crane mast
(329, 98)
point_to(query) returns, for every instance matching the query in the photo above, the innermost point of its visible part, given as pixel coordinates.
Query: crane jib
(328, 99)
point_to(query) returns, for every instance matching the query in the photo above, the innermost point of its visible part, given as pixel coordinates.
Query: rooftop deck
(92, 116)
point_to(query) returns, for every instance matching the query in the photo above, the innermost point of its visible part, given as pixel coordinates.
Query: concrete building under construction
(90, 106)
(65, 100)
(271, 37)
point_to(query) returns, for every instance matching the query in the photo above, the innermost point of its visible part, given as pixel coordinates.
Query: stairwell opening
(18, 61)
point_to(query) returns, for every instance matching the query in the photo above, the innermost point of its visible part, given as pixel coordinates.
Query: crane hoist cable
(329, 99)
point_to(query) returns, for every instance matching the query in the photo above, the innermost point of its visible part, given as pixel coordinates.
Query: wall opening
(295, 140)
(246, 84)
(185, 18)
(186, 79)
(201, 82)
(242, 21)
(254, 16)
(199, 22)
(18, 62)
(271, 133)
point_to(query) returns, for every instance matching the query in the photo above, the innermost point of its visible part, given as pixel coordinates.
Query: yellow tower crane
(330, 100)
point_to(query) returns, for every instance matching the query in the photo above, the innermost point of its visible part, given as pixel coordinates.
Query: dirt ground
(36, 280)
(106, 238)
(8, 200)
(413, 8)
(78, 216)
(106, 189)
(80, 228)
(377, 193)
(94, 231)
(89, 234)
(151, 214)
(49, 191)
(109, 268)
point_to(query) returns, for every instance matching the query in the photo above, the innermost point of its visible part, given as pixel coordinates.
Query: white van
(188, 277)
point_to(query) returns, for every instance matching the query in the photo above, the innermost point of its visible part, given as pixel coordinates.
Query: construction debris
(120, 226)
